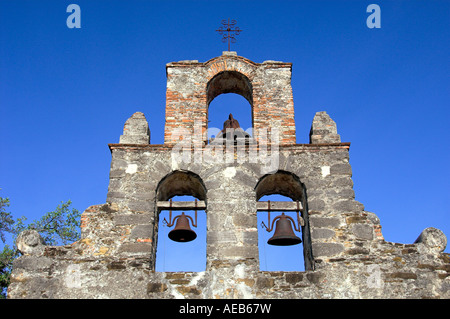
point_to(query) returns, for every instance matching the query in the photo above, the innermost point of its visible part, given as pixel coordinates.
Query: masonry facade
(345, 253)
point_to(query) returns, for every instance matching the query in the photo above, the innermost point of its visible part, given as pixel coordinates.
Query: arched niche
(179, 183)
(283, 183)
(229, 82)
(180, 192)
(287, 184)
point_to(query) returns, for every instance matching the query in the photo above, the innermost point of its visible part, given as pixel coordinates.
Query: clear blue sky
(66, 93)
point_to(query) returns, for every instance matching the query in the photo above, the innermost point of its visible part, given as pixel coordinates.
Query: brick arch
(230, 74)
(229, 82)
(230, 63)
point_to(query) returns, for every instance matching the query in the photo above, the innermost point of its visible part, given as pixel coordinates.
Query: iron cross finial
(229, 31)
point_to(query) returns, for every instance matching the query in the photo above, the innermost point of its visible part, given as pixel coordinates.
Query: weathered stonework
(323, 130)
(136, 130)
(345, 253)
(191, 86)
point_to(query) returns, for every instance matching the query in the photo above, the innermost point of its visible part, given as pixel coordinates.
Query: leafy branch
(59, 227)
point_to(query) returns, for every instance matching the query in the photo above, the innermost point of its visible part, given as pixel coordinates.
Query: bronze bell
(182, 232)
(284, 235)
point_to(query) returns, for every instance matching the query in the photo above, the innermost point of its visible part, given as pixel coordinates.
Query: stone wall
(116, 256)
(345, 253)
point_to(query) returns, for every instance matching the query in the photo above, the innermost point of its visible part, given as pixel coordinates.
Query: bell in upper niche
(232, 132)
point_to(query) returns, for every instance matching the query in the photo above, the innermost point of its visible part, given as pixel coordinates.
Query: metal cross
(229, 31)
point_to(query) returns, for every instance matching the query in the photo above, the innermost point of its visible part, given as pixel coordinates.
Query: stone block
(315, 277)
(136, 130)
(326, 249)
(117, 173)
(239, 251)
(357, 251)
(348, 206)
(189, 290)
(433, 239)
(341, 169)
(321, 233)
(342, 182)
(316, 205)
(142, 231)
(220, 237)
(363, 231)
(294, 277)
(250, 238)
(155, 287)
(32, 263)
(264, 283)
(323, 130)
(402, 275)
(113, 197)
(30, 242)
(244, 220)
(141, 206)
(136, 248)
(132, 219)
(324, 222)
(116, 265)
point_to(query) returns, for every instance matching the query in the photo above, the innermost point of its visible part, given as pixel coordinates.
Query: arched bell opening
(230, 108)
(283, 225)
(229, 82)
(181, 229)
(280, 243)
(180, 183)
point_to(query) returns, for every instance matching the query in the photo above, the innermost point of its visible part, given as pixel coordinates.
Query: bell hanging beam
(181, 205)
(201, 205)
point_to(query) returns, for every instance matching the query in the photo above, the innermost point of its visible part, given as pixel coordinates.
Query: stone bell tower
(344, 250)
(191, 86)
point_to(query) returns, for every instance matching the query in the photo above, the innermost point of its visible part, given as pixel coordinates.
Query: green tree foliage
(7, 257)
(6, 219)
(59, 227)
